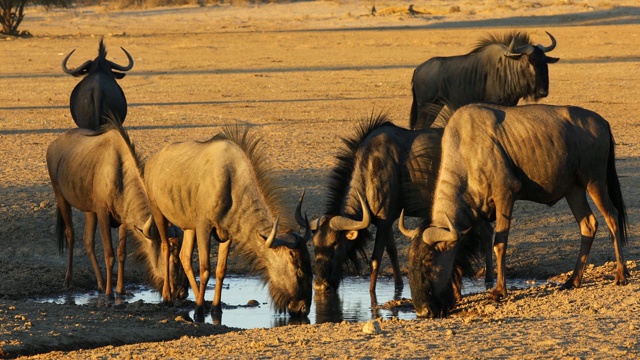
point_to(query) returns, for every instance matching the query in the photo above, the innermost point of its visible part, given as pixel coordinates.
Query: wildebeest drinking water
(392, 168)
(98, 93)
(500, 70)
(493, 156)
(97, 172)
(225, 192)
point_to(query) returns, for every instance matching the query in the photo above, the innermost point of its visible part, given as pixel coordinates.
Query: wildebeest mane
(249, 143)
(502, 39)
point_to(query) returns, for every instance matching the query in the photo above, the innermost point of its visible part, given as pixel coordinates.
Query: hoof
(497, 295)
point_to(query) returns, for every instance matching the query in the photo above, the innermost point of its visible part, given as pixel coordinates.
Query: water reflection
(247, 304)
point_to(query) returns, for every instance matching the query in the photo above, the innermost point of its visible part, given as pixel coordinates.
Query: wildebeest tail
(60, 227)
(615, 192)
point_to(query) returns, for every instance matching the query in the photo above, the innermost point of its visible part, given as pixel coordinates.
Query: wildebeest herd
(461, 176)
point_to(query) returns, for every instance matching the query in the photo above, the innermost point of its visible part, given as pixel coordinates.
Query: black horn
(299, 219)
(550, 47)
(80, 70)
(120, 67)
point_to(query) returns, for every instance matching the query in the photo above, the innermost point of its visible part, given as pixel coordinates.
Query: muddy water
(352, 303)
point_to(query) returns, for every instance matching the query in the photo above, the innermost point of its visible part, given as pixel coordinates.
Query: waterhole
(247, 303)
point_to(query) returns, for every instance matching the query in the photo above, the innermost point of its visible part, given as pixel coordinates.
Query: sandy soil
(302, 74)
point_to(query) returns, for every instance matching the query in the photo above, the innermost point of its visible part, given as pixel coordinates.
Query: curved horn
(406, 232)
(550, 47)
(299, 219)
(146, 229)
(307, 232)
(452, 229)
(120, 67)
(77, 71)
(272, 235)
(344, 223)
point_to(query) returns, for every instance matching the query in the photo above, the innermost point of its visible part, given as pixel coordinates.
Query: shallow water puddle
(352, 302)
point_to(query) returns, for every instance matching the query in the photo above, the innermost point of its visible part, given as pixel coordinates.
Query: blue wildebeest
(226, 193)
(98, 93)
(493, 156)
(109, 189)
(500, 70)
(392, 168)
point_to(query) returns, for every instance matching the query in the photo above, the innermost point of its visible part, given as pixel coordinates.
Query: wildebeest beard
(330, 262)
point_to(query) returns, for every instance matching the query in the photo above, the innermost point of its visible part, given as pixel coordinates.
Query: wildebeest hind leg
(90, 222)
(604, 204)
(504, 209)
(65, 226)
(392, 251)
(577, 200)
(186, 252)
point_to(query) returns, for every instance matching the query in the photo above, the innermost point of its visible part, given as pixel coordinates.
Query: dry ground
(302, 74)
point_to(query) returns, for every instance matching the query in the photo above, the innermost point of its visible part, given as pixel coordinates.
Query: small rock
(372, 328)
(253, 303)
(450, 332)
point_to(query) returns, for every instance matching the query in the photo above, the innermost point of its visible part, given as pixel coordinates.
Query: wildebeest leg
(603, 202)
(109, 258)
(221, 270)
(65, 213)
(504, 209)
(122, 256)
(577, 200)
(90, 222)
(486, 235)
(392, 251)
(161, 224)
(378, 250)
(186, 253)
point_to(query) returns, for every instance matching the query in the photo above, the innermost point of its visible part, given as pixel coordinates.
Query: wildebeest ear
(118, 75)
(551, 60)
(352, 234)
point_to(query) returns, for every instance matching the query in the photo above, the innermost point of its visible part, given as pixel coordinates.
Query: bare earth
(302, 74)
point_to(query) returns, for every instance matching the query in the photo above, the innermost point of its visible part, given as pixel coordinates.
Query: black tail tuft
(615, 192)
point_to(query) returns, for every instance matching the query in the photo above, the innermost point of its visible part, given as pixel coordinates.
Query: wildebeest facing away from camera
(493, 156)
(97, 172)
(500, 70)
(98, 93)
(392, 168)
(226, 192)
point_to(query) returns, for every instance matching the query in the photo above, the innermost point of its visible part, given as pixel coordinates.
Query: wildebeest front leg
(122, 256)
(109, 258)
(577, 200)
(486, 235)
(504, 209)
(392, 251)
(221, 270)
(90, 223)
(161, 224)
(186, 252)
(378, 250)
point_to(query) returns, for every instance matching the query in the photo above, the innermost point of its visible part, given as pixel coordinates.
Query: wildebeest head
(289, 272)
(537, 58)
(333, 242)
(438, 258)
(100, 63)
(150, 237)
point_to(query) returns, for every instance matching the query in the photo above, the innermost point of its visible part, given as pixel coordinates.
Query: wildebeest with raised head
(493, 156)
(500, 70)
(392, 168)
(98, 172)
(98, 93)
(227, 192)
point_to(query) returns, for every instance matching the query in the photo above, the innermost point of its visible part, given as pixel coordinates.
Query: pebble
(372, 328)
